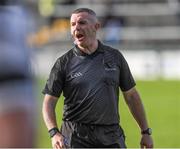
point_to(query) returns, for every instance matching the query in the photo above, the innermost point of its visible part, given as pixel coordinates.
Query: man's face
(83, 28)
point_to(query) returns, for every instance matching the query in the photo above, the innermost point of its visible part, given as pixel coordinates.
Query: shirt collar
(81, 53)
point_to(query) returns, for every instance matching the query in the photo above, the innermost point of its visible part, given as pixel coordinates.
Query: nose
(77, 26)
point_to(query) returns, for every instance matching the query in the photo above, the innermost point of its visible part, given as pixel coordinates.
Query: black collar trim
(100, 49)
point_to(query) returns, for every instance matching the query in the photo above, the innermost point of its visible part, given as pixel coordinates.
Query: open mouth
(79, 36)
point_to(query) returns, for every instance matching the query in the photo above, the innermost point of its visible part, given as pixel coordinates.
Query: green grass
(161, 100)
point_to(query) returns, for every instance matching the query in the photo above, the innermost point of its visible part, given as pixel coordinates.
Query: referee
(90, 75)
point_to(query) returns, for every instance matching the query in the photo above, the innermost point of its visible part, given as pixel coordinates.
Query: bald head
(87, 10)
(90, 11)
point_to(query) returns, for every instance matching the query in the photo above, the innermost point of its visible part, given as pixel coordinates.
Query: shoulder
(109, 50)
(65, 58)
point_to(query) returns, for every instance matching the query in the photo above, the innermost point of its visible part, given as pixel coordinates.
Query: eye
(73, 23)
(82, 22)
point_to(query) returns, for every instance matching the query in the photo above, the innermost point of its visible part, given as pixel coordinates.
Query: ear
(97, 25)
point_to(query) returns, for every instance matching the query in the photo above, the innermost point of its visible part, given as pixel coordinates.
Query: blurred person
(17, 98)
(113, 29)
(90, 75)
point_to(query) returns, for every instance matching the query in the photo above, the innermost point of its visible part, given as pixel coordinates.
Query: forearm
(136, 107)
(138, 113)
(48, 111)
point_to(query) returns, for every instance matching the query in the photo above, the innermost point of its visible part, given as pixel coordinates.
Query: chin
(81, 43)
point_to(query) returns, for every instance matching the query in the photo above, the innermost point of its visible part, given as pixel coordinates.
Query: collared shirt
(90, 84)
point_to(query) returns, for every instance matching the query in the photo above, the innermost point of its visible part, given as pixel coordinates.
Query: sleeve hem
(128, 88)
(50, 93)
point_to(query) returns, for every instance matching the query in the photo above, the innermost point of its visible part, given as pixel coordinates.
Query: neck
(89, 49)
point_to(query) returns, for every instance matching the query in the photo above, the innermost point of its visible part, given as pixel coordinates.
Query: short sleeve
(55, 82)
(126, 80)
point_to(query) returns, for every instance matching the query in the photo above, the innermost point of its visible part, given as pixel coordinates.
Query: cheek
(72, 31)
(88, 30)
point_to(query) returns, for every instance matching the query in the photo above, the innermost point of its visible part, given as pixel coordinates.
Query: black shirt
(90, 84)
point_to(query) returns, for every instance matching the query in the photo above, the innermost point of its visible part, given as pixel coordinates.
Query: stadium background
(148, 34)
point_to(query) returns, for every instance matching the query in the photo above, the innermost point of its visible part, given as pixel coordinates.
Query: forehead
(80, 16)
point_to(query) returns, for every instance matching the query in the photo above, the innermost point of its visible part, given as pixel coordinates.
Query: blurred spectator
(112, 29)
(17, 100)
(175, 6)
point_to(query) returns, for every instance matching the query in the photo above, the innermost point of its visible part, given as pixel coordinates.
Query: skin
(17, 129)
(83, 30)
(87, 26)
(48, 110)
(135, 105)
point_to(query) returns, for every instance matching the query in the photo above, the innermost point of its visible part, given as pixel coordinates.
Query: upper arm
(131, 94)
(50, 97)
(50, 100)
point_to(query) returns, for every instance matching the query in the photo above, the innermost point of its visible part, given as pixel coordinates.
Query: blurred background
(147, 32)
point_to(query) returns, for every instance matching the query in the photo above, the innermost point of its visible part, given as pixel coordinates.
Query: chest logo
(110, 69)
(75, 75)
